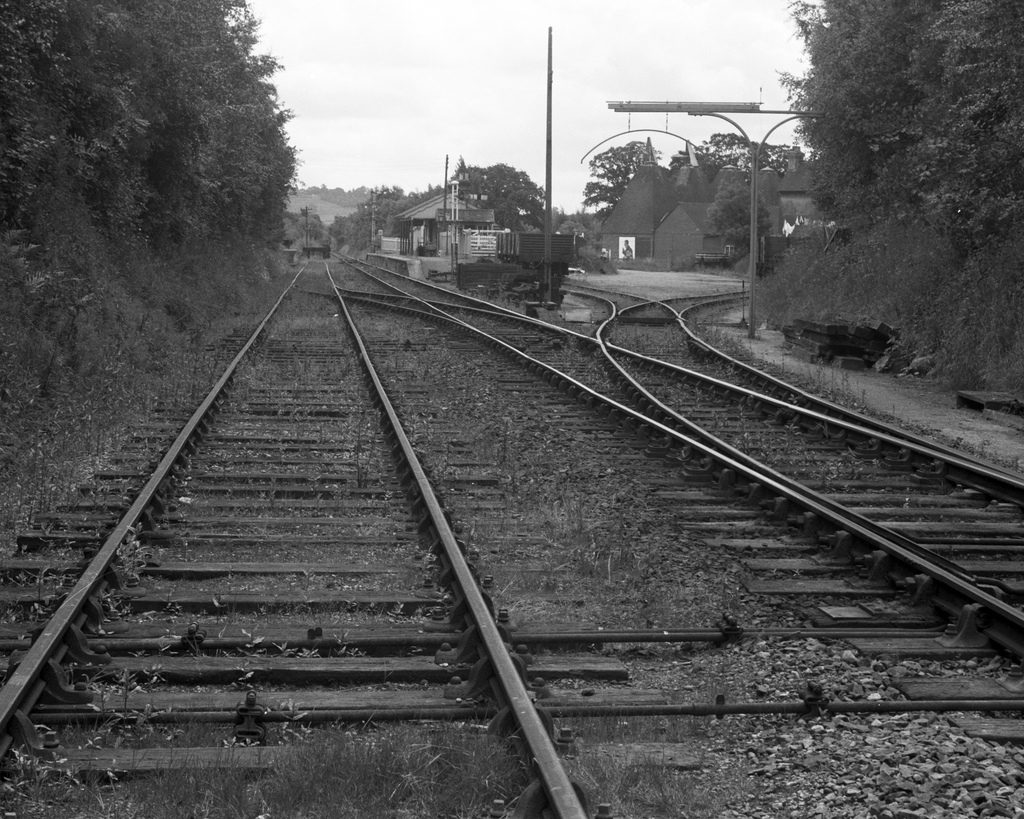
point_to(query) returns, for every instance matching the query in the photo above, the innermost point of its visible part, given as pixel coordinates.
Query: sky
(381, 92)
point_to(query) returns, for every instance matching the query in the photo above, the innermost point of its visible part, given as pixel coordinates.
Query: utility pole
(549, 296)
(305, 243)
(444, 210)
(373, 217)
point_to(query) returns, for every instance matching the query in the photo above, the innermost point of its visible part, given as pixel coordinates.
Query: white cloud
(381, 92)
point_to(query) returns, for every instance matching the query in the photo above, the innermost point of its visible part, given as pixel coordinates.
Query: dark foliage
(917, 154)
(144, 168)
(155, 116)
(612, 170)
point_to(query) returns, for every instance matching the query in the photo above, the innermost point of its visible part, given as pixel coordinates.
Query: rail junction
(384, 511)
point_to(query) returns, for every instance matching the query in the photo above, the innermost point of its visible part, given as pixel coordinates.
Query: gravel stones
(843, 765)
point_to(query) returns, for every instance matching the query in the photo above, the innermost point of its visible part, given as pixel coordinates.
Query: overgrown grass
(450, 770)
(966, 311)
(90, 340)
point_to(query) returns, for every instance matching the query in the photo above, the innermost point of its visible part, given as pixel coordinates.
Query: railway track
(949, 540)
(292, 575)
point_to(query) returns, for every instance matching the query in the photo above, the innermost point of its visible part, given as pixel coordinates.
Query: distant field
(326, 210)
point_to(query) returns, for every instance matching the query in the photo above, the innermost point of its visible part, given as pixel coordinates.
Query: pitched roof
(426, 209)
(692, 184)
(797, 178)
(430, 208)
(798, 181)
(698, 213)
(648, 197)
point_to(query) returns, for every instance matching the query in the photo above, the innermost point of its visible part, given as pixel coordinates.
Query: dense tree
(872, 69)
(581, 223)
(613, 169)
(917, 150)
(720, 150)
(376, 212)
(154, 117)
(729, 215)
(517, 202)
(971, 166)
(922, 106)
(143, 165)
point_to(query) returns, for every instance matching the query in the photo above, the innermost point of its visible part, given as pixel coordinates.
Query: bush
(87, 341)
(968, 314)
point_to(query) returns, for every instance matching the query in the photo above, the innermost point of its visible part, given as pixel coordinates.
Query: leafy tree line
(921, 104)
(614, 168)
(144, 166)
(155, 118)
(917, 152)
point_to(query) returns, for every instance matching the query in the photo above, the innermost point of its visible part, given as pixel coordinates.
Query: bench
(720, 259)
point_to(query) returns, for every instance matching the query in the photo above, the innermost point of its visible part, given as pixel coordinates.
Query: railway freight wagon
(518, 270)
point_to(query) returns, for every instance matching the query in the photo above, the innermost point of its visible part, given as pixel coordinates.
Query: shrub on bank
(90, 337)
(968, 314)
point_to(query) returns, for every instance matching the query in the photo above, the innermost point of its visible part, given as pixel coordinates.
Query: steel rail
(975, 474)
(779, 485)
(314, 715)
(23, 687)
(919, 557)
(435, 640)
(561, 794)
(1005, 485)
(987, 477)
(972, 472)
(577, 288)
(909, 552)
(902, 438)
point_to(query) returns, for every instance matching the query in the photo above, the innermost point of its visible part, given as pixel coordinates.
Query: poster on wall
(626, 247)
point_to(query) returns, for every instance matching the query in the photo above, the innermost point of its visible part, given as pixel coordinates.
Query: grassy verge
(84, 352)
(968, 312)
(452, 770)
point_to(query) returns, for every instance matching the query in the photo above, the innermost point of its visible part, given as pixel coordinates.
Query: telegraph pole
(373, 217)
(444, 212)
(305, 243)
(549, 296)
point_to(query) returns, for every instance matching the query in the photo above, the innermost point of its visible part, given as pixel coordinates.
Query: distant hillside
(327, 202)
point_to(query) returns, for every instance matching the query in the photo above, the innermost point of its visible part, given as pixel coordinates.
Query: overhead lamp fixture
(629, 106)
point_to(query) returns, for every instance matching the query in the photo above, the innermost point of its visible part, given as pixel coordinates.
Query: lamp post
(720, 109)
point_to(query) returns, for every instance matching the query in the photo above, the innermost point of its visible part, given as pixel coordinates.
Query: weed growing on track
(453, 771)
(126, 361)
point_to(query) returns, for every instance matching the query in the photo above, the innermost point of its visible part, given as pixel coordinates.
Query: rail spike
(967, 631)
(249, 725)
(533, 802)
(26, 737)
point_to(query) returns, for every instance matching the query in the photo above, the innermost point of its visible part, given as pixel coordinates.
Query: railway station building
(432, 227)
